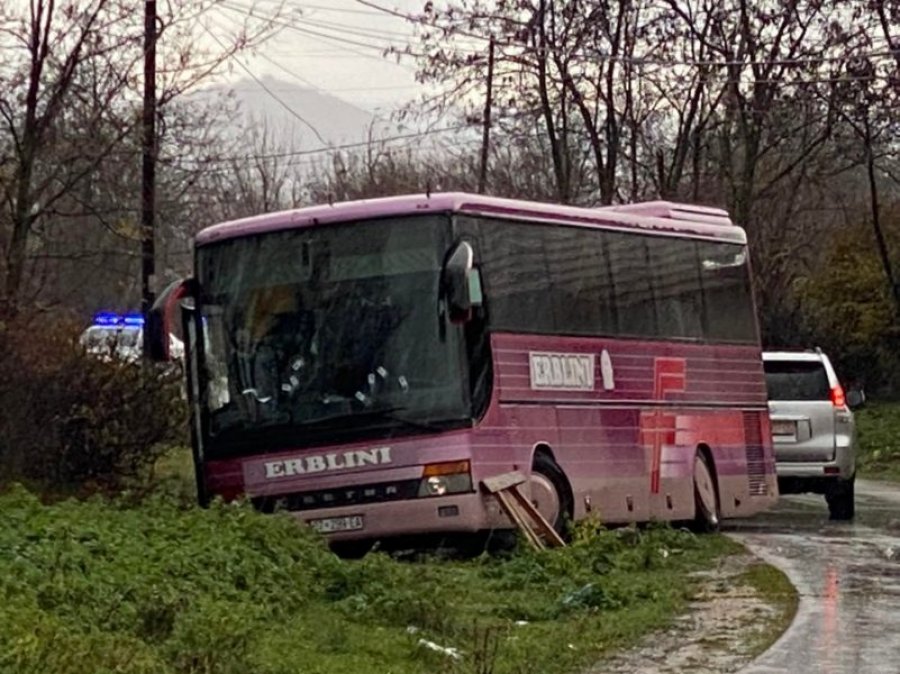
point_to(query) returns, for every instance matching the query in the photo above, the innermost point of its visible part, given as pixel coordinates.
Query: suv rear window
(804, 380)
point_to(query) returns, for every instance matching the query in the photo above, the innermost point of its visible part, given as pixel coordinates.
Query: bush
(849, 312)
(71, 419)
(99, 586)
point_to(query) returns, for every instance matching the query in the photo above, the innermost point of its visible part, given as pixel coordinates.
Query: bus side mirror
(462, 283)
(158, 328)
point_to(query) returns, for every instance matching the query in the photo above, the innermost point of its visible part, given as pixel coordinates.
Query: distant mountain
(299, 118)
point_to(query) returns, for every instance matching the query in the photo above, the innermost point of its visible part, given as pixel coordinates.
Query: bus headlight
(440, 479)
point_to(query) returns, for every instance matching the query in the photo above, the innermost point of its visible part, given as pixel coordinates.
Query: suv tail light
(837, 396)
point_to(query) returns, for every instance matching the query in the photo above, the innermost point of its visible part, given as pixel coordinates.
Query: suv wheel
(841, 500)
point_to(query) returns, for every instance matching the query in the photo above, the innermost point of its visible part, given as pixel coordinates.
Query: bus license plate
(784, 428)
(330, 525)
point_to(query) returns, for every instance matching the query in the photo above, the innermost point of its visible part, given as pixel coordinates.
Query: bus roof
(654, 216)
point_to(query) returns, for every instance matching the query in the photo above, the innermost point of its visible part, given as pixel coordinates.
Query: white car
(121, 337)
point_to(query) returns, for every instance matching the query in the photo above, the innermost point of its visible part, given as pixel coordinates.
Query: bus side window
(727, 294)
(579, 276)
(517, 282)
(633, 289)
(676, 287)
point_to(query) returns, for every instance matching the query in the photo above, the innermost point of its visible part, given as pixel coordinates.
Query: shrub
(71, 419)
(98, 586)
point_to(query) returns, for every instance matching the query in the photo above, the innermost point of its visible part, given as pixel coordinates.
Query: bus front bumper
(456, 514)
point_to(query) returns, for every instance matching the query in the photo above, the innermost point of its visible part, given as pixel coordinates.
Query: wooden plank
(510, 507)
(505, 481)
(520, 510)
(553, 538)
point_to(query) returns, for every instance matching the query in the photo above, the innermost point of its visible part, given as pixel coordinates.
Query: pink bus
(365, 365)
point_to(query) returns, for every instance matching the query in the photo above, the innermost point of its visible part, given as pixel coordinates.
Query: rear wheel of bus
(550, 492)
(706, 495)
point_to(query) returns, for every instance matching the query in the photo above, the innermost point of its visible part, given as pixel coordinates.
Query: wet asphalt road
(848, 578)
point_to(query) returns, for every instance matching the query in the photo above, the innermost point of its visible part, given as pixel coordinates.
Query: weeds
(75, 422)
(878, 425)
(100, 586)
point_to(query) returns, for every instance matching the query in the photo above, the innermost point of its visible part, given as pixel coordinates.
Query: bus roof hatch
(675, 211)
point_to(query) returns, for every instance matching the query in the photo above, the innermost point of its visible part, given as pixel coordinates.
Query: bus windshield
(331, 327)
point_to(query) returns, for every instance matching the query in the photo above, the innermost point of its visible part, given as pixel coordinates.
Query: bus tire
(550, 492)
(706, 496)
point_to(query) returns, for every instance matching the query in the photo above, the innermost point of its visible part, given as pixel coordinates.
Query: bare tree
(531, 42)
(868, 104)
(888, 13)
(65, 54)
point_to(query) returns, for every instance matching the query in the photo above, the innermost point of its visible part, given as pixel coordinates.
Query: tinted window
(549, 279)
(630, 266)
(517, 281)
(677, 289)
(725, 278)
(580, 282)
(787, 380)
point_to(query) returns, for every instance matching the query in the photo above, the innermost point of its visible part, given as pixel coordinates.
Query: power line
(314, 33)
(378, 34)
(313, 86)
(409, 149)
(322, 37)
(598, 55)
(265, 88)
(887, 53)
(281, 67)
(421, 20)
(330, 148)
(340, 10)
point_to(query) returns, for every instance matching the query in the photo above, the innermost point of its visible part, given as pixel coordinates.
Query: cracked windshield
(306, 326)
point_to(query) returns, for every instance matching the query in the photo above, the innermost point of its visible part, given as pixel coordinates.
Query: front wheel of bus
(706, 495)
(550, 492)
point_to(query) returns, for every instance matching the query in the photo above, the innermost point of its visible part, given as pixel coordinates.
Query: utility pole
(486, 134)
(148, 171)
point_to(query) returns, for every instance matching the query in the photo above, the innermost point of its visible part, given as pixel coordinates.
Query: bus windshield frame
(313, 334)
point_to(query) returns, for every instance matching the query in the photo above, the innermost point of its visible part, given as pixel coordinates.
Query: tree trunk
(876, 219)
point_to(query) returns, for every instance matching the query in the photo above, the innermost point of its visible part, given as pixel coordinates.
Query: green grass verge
(878, 425)
(94, 587)
(777, 591)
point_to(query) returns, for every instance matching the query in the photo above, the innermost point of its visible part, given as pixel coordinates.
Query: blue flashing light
(110, 319)
(106, 319)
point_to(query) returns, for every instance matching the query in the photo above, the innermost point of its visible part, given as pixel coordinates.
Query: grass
(878, 425)
(173, 474)
(776, 590)
(89, 587)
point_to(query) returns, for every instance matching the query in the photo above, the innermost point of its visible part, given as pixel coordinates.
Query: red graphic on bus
(658, 426)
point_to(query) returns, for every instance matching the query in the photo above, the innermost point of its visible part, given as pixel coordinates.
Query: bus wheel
(550, 492)
(706, 497)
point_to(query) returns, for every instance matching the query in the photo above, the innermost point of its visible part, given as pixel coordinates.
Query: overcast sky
(333, 46)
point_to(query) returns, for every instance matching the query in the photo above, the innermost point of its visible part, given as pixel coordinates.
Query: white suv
(812, 428)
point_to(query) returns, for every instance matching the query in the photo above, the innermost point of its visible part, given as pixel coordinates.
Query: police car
(121, 337)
